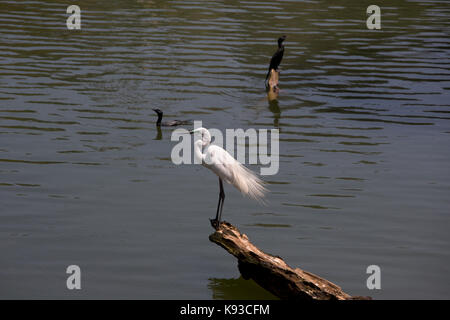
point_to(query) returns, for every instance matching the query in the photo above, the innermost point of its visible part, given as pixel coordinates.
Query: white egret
(226, 168)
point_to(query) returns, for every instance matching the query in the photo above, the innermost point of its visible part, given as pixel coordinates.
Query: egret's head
(201, 134)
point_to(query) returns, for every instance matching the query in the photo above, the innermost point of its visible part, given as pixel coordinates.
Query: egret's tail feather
(249, 183)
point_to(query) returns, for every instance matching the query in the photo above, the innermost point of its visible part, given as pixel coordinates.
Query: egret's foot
(215, 223)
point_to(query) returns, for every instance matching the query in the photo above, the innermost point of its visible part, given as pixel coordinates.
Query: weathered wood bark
(272, 273)
(273, 79)
(272, 85)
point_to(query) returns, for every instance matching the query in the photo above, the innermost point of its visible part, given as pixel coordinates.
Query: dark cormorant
(277, 56)
(171, 123)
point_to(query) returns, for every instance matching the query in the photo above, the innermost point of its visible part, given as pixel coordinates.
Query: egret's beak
(191, 132)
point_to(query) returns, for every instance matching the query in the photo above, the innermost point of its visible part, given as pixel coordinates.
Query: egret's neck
(198, 146)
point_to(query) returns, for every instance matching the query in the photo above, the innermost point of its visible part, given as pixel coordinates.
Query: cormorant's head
(280, 40)
(157, 111)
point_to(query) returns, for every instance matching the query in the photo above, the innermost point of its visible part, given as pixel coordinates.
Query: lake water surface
(87, 179)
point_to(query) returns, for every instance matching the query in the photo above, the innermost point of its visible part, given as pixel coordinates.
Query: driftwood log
(273, 80)
(272, 85)
(272, 273)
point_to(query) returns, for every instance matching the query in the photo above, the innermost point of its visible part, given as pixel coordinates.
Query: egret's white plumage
(219, 161)
(233, 172)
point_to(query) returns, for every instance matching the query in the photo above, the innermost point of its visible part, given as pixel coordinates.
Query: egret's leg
(222, 196)
(218, 205)
(215, 222)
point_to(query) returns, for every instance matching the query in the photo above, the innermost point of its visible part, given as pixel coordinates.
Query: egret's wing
(233, 172)
(216, 159)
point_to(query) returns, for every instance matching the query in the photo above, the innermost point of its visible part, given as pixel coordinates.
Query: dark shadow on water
(238, 289)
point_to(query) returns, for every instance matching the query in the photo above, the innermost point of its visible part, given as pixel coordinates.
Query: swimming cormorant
(171, 123)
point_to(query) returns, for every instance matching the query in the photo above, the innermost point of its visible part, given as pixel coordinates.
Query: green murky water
(86, 178)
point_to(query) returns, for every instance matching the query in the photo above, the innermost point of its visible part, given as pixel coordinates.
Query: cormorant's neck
(158, 123)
